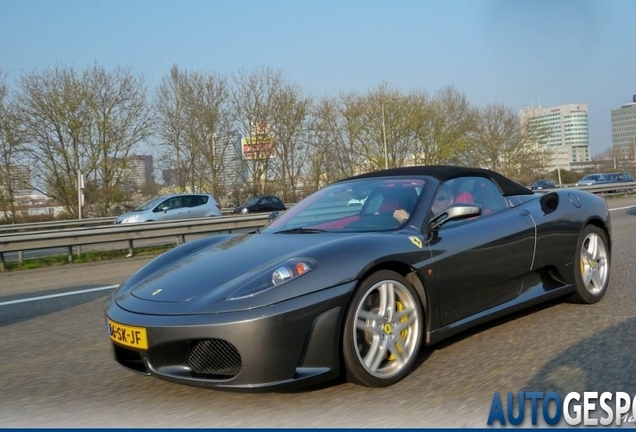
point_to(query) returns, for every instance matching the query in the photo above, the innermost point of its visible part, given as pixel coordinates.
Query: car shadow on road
(13, 310)
(497, 322)
(603, 362)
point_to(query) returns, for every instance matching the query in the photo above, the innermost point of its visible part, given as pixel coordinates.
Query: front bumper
(286, 345)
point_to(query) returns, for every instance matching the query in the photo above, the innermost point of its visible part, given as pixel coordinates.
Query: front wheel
(592, 266)
(383, 330)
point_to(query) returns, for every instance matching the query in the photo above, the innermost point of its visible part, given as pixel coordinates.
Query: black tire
(381, 349)
(592, 266)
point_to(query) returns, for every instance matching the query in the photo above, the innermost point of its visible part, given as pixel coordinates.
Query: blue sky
(511, 52)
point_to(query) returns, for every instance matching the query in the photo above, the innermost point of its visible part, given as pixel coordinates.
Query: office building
(624, 129)
(138, 170)
(566, 131)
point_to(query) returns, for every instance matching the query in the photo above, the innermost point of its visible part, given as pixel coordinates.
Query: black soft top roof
(444, 172)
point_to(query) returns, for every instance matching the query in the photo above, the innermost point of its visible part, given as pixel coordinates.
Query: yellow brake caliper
(398, 308)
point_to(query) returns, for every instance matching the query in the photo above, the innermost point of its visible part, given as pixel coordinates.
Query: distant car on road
(615, 177)
(589, 179)
(261, 204)
(543, 184)
(170, 207)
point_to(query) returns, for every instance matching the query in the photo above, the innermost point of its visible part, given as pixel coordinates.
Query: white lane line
(46, 297)
(621, 208)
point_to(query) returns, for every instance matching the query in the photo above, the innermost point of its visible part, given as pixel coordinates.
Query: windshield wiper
(300, 231)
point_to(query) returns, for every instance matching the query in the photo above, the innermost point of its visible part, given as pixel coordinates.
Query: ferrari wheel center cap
(388, 328)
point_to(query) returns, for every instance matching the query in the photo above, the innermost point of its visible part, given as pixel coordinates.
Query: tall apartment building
(139, 170)
(567, 133)
(624, 129)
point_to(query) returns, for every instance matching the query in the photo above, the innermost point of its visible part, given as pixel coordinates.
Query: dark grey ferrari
(328, 290)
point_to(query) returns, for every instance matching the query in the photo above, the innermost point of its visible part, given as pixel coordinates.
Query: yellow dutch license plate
(134, 337)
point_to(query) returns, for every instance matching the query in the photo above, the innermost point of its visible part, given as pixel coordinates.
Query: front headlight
(275, 276)
(131, 219)
(244, 211)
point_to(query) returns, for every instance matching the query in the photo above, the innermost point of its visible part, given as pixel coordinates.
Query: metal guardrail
(45, 235)
(72, 223)
(49, 225)
(69, 238)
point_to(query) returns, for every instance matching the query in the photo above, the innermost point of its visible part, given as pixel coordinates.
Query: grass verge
(85, 257)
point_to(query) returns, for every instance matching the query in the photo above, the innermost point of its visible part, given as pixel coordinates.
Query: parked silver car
(170, 207)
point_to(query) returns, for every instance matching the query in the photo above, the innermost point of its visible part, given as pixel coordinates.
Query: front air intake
(214, 358)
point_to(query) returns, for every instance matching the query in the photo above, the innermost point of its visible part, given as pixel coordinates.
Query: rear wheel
(592, 266)
(383, 330)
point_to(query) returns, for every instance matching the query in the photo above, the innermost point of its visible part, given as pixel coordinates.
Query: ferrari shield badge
(416, 241)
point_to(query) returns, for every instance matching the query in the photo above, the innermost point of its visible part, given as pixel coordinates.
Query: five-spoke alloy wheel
(593, 266)
(383, 330)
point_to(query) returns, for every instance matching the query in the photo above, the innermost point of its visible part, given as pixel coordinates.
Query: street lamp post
(386, 155)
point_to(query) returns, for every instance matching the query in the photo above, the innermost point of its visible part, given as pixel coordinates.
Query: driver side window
(477, 190)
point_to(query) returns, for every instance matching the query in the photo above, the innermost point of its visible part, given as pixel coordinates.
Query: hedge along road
(57, 370)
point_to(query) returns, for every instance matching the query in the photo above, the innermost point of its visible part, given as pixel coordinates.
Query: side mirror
(273, 215)
(165, 208)
(455, 212)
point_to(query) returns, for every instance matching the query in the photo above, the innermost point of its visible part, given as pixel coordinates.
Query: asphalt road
(56, 368)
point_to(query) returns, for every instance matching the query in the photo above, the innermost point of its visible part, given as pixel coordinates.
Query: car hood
(201, 280)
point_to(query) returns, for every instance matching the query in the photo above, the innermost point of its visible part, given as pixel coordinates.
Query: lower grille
(129, 359)
(214, 358)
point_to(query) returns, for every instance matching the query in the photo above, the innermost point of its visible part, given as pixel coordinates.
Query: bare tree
(613, 159)
(387, 138)
(254, 99)
(440, 126)
(499, 141)
(87, 123)
(196, 129)
(337, 133)
(121, 119)
(11, 147)
(291, 132)
(355, 134)
(54, 109)
(170, 104)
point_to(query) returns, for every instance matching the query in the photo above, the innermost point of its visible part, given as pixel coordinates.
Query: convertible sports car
(329, 290)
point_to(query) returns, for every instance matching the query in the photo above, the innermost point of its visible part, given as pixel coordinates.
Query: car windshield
(253, 201)
(149, 204)
(591, 177)
(328, 211)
